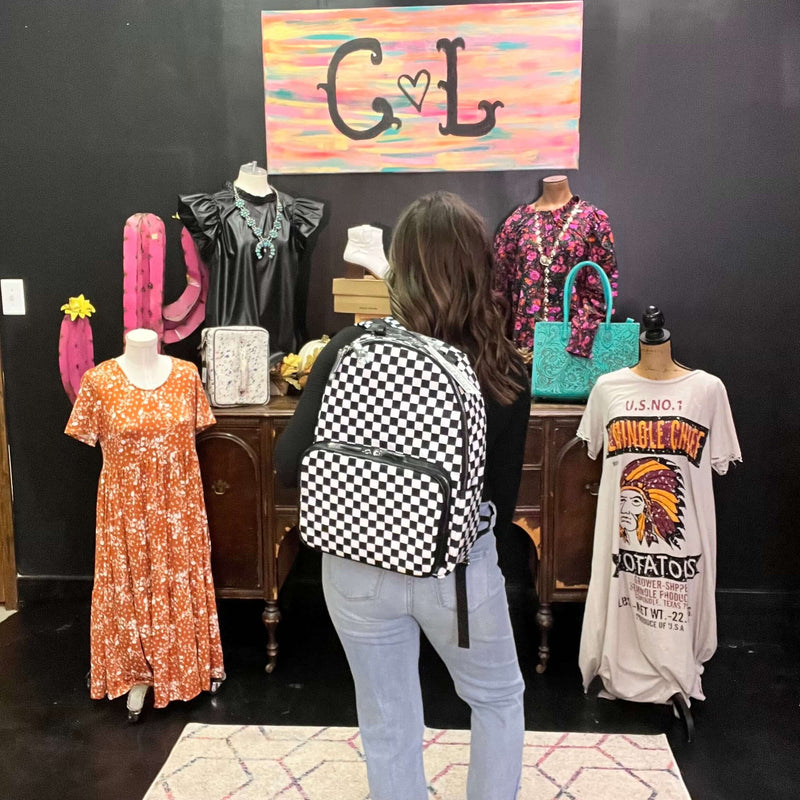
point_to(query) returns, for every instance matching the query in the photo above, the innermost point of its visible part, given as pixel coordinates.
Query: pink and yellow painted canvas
(424, 88)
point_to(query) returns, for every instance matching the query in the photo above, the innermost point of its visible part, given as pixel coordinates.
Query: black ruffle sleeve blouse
(268, 291)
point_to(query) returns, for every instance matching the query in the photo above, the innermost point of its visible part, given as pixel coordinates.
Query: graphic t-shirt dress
(650, 620)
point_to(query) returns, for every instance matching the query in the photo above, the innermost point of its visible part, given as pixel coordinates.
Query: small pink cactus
(75, 346)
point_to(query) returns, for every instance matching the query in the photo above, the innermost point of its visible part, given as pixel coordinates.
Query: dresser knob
(220, 487)
(593, 489)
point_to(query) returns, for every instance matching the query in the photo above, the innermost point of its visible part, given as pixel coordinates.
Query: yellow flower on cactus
(78, 307)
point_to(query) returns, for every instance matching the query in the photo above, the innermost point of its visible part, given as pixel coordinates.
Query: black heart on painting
(414, 84)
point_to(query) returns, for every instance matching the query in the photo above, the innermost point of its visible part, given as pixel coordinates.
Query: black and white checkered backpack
(395, 475)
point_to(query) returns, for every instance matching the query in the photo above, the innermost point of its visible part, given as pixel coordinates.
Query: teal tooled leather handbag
(559, 375)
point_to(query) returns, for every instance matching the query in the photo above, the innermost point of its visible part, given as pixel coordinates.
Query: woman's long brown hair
(440, 284)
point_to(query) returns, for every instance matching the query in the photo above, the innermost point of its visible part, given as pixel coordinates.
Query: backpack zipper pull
(343, 351)
(363, 356)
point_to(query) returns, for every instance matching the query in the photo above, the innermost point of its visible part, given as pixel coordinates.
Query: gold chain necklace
(545, 260)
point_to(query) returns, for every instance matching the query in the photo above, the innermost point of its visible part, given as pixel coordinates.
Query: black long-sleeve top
(506, 427)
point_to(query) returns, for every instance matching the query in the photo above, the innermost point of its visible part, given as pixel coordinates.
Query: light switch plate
(13, 294)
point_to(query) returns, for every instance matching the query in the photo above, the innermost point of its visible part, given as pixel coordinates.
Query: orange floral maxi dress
(154, 615)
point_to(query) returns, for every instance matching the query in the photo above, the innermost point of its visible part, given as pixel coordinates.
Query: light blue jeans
(378, 615)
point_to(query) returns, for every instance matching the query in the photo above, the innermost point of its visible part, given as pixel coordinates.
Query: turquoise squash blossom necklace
(264, 242)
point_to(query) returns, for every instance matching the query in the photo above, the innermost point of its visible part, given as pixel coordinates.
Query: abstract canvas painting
(423, 88)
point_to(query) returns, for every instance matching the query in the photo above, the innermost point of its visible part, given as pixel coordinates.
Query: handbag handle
(571, 280)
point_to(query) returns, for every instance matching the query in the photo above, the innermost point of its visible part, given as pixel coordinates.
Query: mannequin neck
(555, 193)
(656, 362)
(144, 366)
(253, 180)
(141, 347)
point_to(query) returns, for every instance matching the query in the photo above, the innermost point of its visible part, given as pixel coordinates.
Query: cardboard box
(354, 304)
(360, 287)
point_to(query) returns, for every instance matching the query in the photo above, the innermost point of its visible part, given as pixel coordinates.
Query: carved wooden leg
(271, 616)
(544, 619)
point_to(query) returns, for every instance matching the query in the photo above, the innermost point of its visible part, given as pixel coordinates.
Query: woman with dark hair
(440, 285)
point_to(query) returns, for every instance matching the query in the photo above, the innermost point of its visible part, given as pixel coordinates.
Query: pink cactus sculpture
(187, 313)
(143, 255)
(75, 346)
(143, 268)
(143, 252)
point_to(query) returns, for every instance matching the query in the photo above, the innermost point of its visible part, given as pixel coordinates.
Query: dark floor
(57, 743)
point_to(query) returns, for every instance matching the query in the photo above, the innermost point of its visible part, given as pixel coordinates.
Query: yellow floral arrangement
(295, 368)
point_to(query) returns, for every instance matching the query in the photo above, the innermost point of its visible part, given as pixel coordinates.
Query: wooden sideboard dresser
(556, 507)
(253, 518)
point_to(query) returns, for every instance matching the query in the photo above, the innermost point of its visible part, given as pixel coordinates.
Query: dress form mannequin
(655, 350)
(555, 193)
(141, 362)
(253, 180)
(535, 249)
(149, 433)
(251, 282)
(145, 368)
(657, 364)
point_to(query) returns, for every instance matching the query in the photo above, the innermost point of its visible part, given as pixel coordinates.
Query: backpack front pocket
(375, 506)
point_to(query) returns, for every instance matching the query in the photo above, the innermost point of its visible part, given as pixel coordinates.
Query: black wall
(690, 141)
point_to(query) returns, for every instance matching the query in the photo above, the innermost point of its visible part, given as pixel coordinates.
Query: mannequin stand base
(136, 701)
(681, 710)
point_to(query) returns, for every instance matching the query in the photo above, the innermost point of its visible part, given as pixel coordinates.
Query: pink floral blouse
(520, 275)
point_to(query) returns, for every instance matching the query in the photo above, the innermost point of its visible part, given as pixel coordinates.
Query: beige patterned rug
(252, 762)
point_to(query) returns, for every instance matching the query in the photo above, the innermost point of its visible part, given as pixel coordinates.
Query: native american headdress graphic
(651, 498)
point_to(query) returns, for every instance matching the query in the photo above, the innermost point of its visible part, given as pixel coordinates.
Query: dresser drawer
(575, 486)
(230, 467)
